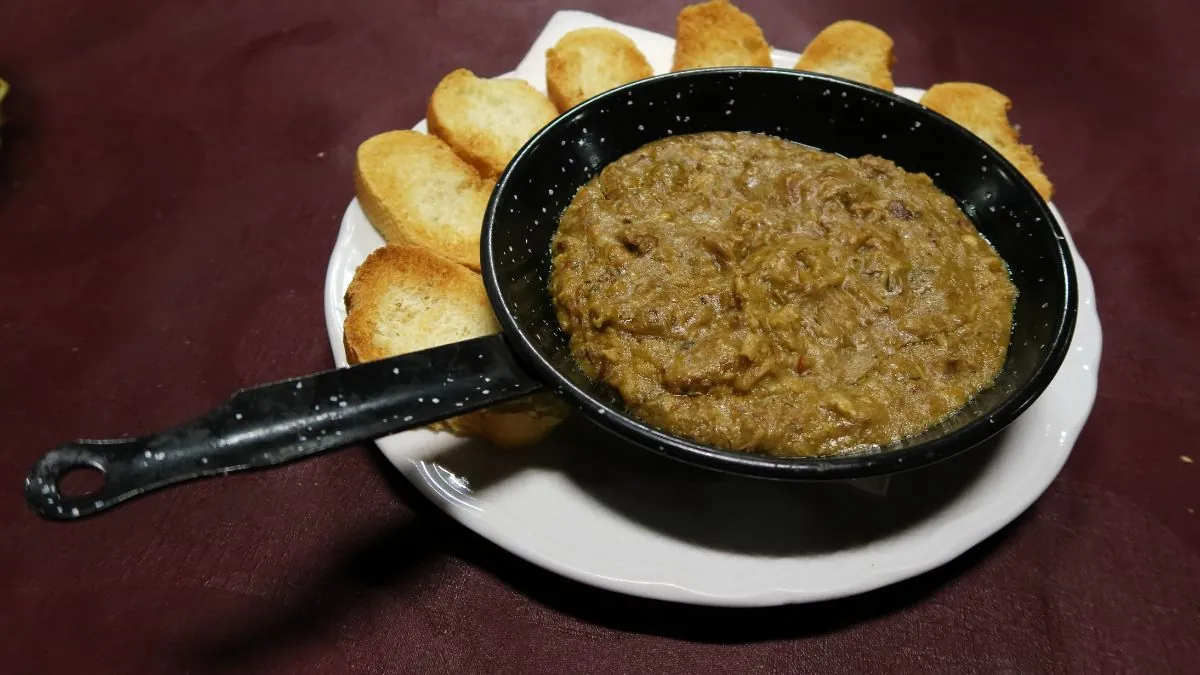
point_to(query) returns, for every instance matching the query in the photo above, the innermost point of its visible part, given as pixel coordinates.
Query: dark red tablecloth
(171, 181)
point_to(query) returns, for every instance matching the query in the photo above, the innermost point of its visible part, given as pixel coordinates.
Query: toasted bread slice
(511, 425)
(715, 33)
(405, 298)
(415, 190)
(984, 111)
(487, 121)
(854, 50)
(591, 61)
(3, 93)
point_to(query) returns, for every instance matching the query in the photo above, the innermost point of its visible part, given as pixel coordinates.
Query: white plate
(591, 508)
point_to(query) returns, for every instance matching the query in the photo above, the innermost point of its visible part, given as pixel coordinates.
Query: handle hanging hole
(81, 481)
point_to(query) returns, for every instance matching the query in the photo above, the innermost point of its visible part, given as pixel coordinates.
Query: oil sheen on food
(757, 295)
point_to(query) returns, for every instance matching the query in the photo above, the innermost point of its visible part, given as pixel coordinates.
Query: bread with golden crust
(3, 93)
(984, 111)
(406, 298)
(715, 33)
(487, 121)
(414, 189)
(854, 50)
(590, 61)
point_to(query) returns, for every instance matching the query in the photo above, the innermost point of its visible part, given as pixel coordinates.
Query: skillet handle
(286, 421)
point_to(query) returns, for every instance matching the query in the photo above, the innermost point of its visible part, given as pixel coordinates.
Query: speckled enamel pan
(298, 418)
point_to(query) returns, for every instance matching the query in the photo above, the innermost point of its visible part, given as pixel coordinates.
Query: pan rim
(834, 467)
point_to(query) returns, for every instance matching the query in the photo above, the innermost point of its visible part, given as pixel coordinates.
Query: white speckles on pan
(528, 264)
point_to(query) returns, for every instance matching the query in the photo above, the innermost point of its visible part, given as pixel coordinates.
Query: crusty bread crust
(3, 93)
(984, 111)
(414, 189)
(406, 298)
(715, 33)
(590, 61)
(487, 121)
(854, 50)
(522, 422)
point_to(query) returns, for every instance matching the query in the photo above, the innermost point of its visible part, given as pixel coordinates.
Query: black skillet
(298, 418)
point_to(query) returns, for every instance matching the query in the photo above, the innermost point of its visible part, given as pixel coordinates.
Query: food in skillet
(757, 295)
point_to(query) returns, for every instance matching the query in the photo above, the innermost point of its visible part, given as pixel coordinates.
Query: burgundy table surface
(171, 181)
